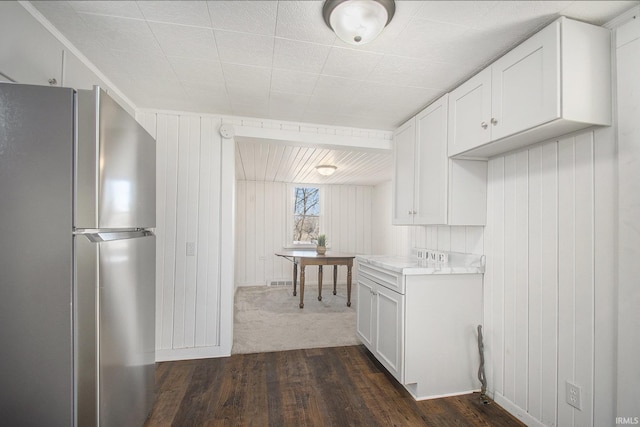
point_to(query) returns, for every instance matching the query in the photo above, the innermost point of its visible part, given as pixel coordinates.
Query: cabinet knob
(53, 82)
(494, 121)
(484, 125)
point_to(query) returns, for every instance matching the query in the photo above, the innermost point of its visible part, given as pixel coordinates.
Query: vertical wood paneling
(535, 282)
(521, 279)
(189, 208)
(168, 137)
(566, 272)
(584, 284)
(191, 217)
(545, 225)
(212, 212)
(496, 260)
(262, 229)
(605, 268)
(203, 226)
(549, 268)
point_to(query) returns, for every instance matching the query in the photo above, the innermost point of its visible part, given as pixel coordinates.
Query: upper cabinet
(537, 91)
(28, 52)
(428, 187)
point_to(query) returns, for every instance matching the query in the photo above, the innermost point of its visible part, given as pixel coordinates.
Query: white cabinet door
(364, 310)
(470, 113)
(430, 194)
(389, 329)
(525, 84)
(28, 52)
(403, 178)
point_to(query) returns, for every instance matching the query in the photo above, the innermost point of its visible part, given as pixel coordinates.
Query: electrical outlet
(574, 395)
(191, 248)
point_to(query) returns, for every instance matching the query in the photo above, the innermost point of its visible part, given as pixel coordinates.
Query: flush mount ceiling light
(358, 21)
(326, 170)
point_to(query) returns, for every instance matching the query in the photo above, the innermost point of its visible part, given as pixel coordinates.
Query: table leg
(319, 283)
(348, 286)
(335, 278)
(295, 277)
(302, 286)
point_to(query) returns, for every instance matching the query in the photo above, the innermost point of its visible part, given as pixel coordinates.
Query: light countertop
(458, 263)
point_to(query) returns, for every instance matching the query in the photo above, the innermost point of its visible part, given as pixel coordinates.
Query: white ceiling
(278, 60)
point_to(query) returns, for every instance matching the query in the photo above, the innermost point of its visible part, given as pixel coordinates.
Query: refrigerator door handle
(97, 236)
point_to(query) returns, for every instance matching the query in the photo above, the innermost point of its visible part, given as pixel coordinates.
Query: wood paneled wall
(262, 209)
(195, 184)
(550, 281)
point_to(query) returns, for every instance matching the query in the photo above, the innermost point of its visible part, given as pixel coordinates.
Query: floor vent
(280, 283)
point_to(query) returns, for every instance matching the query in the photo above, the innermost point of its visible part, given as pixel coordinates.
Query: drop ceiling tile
(244, 48)
(123, 34)
(299, 56)
(176, 12)
(192, 70)
(258, 78)
(293, 81)
(403, 71)
(350, 63)
(258, 17)
(184, 41)
(597, 12)
(465, 13)
(243, 94)
(250, 110)
(143, 67)
(523, 15)
(208, 99)
(302, 21)
(123, 9)
(421, 37)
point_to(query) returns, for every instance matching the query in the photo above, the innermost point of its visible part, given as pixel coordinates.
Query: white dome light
(358, 21)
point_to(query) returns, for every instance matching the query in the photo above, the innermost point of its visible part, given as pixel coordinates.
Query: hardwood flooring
(338, 386)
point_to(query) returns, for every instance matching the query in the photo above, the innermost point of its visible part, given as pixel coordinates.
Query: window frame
(291, 199)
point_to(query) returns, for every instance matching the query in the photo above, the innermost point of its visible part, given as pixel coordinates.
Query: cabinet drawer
(387, 278)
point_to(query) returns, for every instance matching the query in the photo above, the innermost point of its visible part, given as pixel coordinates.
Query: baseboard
(516, 411)
(169, 355)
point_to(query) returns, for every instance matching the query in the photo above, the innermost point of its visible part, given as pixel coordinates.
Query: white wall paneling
(262, 209)
(194, 296)
(628, 62)
(548, 284)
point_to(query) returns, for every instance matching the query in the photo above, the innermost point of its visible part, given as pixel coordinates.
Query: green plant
(322, 240)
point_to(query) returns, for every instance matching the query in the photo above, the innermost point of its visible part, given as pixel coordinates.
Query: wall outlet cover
(574, 395)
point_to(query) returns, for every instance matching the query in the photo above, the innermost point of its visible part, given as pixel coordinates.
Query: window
(306, 215)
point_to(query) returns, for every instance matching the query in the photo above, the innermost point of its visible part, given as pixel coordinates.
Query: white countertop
(458, 263)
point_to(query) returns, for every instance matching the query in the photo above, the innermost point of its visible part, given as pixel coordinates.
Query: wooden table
(304, 258)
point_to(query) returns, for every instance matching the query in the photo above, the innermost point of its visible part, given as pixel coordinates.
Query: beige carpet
(267, 318)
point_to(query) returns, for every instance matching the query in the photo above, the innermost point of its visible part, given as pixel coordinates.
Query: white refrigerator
(77, 260)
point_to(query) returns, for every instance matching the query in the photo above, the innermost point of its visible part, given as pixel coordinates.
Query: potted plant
(321, 244)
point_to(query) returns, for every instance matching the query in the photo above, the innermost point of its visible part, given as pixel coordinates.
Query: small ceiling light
(326, 170)
(358, 21)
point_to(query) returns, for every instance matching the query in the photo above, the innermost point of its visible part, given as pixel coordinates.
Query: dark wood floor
(339, 386)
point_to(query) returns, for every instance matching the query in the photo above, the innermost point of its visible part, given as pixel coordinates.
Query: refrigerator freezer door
(116, 167)
(36, 293)
(127, 330)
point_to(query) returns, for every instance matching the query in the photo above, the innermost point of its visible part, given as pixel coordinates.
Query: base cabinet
(380, 324)
(426, 337)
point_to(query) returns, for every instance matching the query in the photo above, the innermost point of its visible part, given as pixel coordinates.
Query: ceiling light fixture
(326, 170)
(358, 21)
